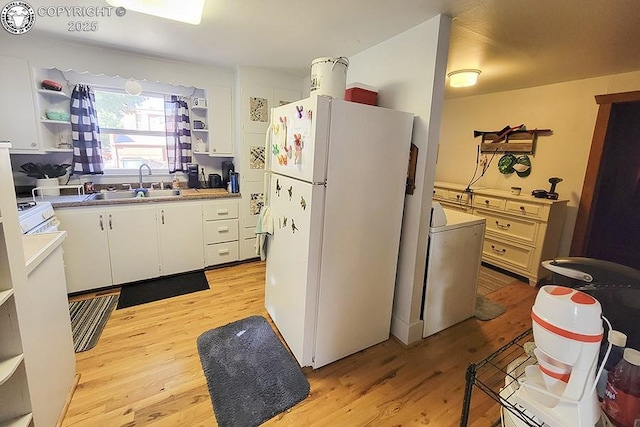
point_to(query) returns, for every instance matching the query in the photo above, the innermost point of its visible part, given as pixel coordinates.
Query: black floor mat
(250, 374)
(161, 288)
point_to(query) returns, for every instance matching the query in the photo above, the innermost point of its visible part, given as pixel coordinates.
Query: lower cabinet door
(181, 238)
(85, 250)
(133, 244)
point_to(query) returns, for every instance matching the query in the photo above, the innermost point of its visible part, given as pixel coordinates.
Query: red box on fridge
(361, 93)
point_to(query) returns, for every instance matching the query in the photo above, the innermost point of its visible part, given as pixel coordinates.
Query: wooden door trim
(589, 194)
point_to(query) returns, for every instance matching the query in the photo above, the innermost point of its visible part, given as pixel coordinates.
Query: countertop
(38, 246)
(185, 194)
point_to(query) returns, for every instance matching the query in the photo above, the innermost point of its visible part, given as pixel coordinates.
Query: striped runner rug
(88, 318)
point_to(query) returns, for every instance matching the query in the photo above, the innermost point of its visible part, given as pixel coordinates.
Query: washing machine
(454, 255)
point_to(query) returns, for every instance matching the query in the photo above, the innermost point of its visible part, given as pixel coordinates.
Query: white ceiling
(516, 43)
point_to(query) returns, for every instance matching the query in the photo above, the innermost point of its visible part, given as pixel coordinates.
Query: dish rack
(38, 192)
(497, 376)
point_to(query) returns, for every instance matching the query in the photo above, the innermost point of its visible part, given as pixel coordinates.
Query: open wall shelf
(519, 141)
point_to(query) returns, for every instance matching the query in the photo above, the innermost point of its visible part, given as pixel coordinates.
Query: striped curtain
(178, 132)
(85, 133)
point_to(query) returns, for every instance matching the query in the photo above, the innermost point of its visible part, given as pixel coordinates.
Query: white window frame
(118, 131)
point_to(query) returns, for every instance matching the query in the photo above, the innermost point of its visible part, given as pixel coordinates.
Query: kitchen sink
(119, 195)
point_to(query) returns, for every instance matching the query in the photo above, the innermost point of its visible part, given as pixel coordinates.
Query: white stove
(37, 217)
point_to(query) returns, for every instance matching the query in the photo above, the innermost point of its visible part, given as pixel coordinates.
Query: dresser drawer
(481, 201)
(501, 252)
(221, 253)
(440, 193)
(526, 209)
(220, 210)
(458, 196)
(220, 231)
(511, 227)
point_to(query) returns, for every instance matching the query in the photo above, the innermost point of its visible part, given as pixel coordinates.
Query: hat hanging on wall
(505, 164)
(522, 166)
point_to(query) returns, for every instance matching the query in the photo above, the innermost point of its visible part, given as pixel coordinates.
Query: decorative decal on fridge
(278, 188)
(298, 147)
(293, 226)
(290, 190)
(299, 109)
(303, 203)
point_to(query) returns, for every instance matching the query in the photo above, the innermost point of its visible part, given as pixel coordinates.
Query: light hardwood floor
(145, 370)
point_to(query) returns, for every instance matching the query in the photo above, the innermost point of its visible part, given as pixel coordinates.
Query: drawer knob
(223, 252)
(223, 212)
(522, 208)
(223, 229)
(486, 201)
(503, 226)
(498, 251)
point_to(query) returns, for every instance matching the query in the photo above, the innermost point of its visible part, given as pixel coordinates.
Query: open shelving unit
(52, 132)
(15, 403)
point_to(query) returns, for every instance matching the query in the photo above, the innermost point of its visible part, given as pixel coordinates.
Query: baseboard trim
(405, 333)
(67, 402)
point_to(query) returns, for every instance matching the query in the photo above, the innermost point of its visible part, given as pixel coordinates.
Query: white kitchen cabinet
(86, 248)
(133, 244)
(181, 237)
(221, 122)
(256, 103)
(521, 231)
(220, 223)
(43, 310)
(18, 125)
(107, 247)
(15, 401)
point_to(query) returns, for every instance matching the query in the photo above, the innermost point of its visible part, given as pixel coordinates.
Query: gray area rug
(251, 376)
(88, 318)
(487, 309)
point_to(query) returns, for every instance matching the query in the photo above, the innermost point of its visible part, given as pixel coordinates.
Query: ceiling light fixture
(463, 78)
(178, 10)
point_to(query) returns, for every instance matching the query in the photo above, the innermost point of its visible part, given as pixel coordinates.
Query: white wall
(568, 109)
(42, 52)
(409, 72)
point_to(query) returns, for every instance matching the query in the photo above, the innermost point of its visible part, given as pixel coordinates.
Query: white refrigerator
(336, 174)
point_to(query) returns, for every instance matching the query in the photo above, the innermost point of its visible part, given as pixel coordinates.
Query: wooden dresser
(522, 231)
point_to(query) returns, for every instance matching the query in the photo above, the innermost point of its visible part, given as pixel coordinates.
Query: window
(132, 130)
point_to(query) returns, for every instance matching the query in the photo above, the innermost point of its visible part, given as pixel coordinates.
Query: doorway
(608, 223)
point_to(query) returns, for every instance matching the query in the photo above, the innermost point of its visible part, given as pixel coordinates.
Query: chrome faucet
(140, 174)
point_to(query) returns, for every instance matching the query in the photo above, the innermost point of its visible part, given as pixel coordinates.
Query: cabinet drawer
(220, 210)
(220, 231)
(248, 233)
(501, 252)
(221, 253)
(526, 209)
(511, 227)
(480, 201)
